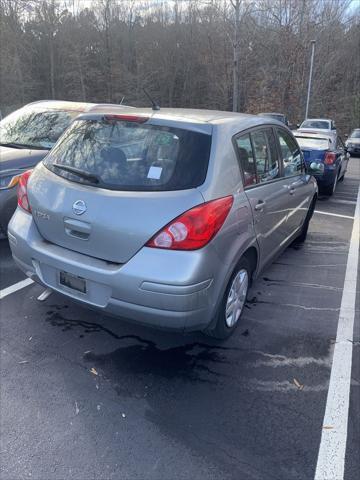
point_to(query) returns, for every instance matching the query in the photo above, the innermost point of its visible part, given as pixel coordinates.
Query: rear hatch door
(141, 182)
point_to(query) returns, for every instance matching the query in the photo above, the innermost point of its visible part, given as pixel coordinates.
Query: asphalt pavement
(87, 396)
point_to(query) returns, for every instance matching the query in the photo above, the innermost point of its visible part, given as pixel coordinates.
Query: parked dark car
(353, 142)
(277, 116)
(26, 136)
(326, 157)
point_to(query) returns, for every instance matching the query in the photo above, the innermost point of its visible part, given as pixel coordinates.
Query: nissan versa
(162, 217)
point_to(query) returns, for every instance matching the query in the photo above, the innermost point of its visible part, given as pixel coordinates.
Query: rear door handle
(260, 206)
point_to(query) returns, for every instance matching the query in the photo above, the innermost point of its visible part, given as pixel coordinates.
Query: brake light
(195, 228)
(126, 118)
(330, 158)
(23, 200)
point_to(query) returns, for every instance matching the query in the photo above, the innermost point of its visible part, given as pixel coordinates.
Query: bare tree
(241, 55)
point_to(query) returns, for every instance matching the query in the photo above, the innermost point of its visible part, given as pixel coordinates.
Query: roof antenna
(155, 106)
(121, 102)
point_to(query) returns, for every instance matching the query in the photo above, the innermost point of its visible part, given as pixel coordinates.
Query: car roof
(187, 115)
(62, 105)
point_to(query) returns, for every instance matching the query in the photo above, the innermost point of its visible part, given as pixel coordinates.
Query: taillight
(126, 118)
(194, 228)
(23, 200)
(330, 158)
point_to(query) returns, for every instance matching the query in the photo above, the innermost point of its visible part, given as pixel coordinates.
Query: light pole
(310, 77)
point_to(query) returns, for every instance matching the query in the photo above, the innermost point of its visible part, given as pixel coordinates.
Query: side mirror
(346, 135)
(315, 168)
(298, 125)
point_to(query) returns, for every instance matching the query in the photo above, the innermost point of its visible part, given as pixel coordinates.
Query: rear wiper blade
(23, 145)
(81, 173)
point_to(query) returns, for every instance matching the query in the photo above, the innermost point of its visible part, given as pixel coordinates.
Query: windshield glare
(131, 156)
(34, 128)
(315, 124)
(313, 143)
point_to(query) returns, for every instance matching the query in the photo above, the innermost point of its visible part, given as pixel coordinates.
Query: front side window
(267, 165)
(291, 154)
(34, 128)
(127, 155)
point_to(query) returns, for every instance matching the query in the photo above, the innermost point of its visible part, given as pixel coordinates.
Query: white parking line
(333, 214)
(14, 288)
(331, 458)
(345, 202)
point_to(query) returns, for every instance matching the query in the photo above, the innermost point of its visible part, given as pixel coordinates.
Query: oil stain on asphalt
(188, 391)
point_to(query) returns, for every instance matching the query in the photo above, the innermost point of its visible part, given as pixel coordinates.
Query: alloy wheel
(236, 297)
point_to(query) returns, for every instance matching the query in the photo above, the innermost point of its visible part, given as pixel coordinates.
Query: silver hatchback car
(162, 217)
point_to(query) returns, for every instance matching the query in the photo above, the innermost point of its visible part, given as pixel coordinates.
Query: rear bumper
(327, 178)
(173, 290)
(8, 201)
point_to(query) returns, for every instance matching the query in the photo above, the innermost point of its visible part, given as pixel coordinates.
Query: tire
(223, 326)
(304, 229)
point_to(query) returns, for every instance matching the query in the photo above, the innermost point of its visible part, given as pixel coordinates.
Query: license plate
(73, 281)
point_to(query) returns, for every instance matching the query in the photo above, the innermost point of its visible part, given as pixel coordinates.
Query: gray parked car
(26, 136)
(162, 217)
(353, 142)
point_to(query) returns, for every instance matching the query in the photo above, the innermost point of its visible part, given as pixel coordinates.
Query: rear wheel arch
(251, 254)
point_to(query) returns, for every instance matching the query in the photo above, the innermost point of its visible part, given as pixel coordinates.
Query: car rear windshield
(127, 155)
(34, 128)
(313, 143)
(316, 124)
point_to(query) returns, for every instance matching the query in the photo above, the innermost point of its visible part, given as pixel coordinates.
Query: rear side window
(247, 160)
(124, 155)
(266, 157)
(291, 154)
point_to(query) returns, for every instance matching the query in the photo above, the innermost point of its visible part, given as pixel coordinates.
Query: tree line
(246, 55)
